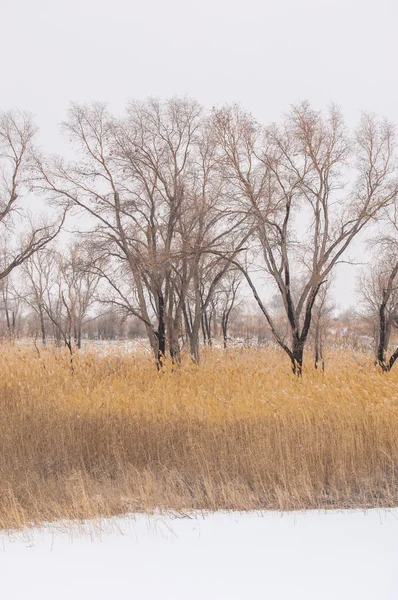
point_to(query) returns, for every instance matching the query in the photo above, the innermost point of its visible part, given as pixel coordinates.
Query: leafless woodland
(189, 226)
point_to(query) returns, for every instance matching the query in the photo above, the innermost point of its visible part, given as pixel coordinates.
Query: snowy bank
(315, 555)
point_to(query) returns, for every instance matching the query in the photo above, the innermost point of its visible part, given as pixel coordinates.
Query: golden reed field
(113, 435)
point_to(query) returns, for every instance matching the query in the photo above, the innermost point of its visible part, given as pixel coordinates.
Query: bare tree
(151, 185)
(227, 299)
(38, 270)
(17, 132)
(80, 286)
(322, 312)
(72, 294)
(61, 288)
(293, 180)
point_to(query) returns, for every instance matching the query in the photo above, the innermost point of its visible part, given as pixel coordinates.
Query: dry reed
(238, 432)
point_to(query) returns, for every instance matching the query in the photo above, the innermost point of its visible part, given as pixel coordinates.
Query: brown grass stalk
(237, 432)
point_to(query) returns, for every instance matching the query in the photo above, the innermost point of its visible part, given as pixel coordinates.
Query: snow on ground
(348, 555)
(137, 346)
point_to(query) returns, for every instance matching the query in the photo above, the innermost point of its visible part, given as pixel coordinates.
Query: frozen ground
(314, 556)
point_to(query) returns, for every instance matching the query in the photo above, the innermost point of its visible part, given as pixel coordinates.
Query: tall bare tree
(17, 133)
(38, 272)
(293, 180)
(151, 185)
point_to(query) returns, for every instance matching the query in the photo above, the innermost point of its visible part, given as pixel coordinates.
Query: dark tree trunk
(383, 341)
(204, 328)
(208, 329)
(296, 356)
(161, 332)
(224, 327)
(79, 336)
(196, 323)
(392, 360)
(385, 326)
(299, 340)
(194, 343)
(318, 349)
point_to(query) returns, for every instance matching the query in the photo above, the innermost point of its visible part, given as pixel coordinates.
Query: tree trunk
(161, 332)
(42, 326)
(224, 327)
(196, 322)
(208, 329)
(392, 360)
(174, 327)
(383, 337)
(296, 356)
(194, 342)
(204, 329)
(318, 348)
(175, 352)
(79, 335)
(321, 354)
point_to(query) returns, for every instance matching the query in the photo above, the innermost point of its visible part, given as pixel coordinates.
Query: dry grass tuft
(238, 432)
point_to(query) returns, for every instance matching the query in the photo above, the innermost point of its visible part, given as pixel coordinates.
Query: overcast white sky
(264, 54)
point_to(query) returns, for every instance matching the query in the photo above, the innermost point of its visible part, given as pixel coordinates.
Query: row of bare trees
(59, 295)
(61, 287)
(180, 208)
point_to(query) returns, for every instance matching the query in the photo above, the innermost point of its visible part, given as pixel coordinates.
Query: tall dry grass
(238, 432)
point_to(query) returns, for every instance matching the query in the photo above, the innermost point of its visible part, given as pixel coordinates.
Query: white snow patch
(345, 555)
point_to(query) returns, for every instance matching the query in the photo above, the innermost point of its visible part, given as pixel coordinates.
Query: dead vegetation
(238, 432)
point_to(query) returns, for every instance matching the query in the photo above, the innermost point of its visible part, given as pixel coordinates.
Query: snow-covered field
(348, 555)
